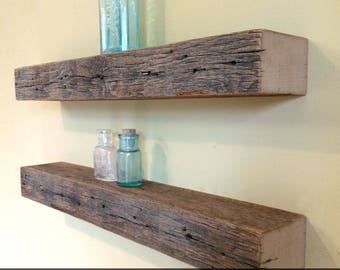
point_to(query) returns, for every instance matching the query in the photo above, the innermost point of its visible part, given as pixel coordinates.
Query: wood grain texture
(201, 229)
(254, 62)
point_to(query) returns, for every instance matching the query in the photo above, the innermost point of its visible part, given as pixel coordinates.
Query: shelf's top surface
(258, 31)
(248, 216)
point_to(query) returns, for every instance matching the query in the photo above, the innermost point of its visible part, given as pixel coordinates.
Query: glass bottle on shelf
(104, 156)
(129, 162)
(119, 25)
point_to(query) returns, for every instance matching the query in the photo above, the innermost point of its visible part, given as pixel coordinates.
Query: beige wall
(281, 152)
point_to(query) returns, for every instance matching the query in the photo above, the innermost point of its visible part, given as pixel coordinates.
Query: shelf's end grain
(284, 64)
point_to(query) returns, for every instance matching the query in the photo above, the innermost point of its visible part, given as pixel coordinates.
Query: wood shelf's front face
(255, 62)
(198, 228)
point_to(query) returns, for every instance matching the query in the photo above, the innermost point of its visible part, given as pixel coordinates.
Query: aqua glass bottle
(129, 160)
(119, 25)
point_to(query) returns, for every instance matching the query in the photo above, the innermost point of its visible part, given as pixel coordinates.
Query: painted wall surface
(277, 151)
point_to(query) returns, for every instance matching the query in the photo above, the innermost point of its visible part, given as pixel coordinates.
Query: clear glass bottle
(104, 156)
(129, 160)
(119, 25)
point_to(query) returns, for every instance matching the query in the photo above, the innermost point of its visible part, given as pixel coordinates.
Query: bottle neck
(105, 137)
(128, 142)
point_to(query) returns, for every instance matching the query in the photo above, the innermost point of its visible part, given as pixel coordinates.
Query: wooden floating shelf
(248, 63)
(201, 229)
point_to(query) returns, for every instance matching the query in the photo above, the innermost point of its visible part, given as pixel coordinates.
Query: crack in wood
(269, 260)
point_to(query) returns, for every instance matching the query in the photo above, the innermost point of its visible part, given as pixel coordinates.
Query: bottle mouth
(104, 131)
(129, 131)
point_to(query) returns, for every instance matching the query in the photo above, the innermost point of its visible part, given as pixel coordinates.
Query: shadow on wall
(317, 254)
(219, 120)
(158, 161)
(159, 165)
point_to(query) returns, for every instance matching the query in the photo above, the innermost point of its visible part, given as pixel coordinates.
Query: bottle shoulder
(105, 148)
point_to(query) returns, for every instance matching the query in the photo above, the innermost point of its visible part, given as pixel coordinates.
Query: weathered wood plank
(201, 229)
(254, 62)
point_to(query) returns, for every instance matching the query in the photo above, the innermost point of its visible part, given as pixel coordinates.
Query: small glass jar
(119, 25)
(129, 160)
(104, 156)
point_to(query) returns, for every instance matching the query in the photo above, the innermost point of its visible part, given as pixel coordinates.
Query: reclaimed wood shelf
(201, 229)
(249, 63)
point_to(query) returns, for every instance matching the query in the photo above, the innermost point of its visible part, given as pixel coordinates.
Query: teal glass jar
(129, 160)
(119, 25)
